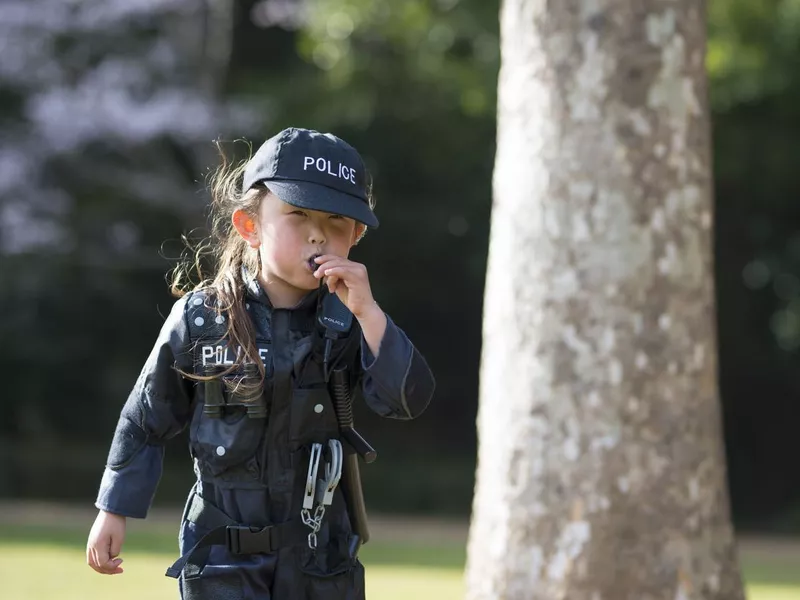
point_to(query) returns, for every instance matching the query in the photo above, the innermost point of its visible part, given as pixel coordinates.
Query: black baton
(351, 474)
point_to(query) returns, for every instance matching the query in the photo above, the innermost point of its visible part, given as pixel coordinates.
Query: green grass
(38, 563)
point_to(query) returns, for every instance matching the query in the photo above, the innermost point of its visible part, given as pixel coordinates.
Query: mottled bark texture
(601, 468)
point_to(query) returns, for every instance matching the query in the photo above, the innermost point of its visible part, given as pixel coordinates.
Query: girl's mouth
(313, 265)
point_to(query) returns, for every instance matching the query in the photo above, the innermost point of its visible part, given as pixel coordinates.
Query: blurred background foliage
(108, 112)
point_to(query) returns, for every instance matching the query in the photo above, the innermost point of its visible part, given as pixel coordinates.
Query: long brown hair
(228, 254)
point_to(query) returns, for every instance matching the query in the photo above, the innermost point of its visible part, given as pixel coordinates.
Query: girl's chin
(306, 281)
(303, 280)
(308, 287)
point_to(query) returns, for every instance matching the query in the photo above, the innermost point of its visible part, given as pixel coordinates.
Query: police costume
(251, 528)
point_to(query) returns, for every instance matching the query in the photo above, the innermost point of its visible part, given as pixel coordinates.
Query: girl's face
(289, 238)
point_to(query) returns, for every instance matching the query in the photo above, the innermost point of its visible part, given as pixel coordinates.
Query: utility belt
(322, 479)
(296, 571)
(237, 538)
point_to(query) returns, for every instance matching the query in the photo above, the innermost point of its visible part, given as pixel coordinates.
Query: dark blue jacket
(251, 471)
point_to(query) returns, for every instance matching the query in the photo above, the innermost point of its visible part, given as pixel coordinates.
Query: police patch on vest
(221, 354)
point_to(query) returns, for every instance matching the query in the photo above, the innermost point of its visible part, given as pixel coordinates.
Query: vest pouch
(324, 574)
(312, 418)
(221, 587)
(226, 441)
(200, 586)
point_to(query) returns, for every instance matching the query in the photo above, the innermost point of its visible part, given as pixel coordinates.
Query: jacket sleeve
(398, 383)
(157, 409)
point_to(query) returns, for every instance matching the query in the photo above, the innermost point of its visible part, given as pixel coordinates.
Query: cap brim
(319, 197)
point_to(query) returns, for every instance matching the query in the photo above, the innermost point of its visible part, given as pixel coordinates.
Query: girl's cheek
(278, 253)
(284, 250)
(340, 237)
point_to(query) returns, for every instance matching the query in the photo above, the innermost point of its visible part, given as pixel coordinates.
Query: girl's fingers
(320, 272)
(327, 258)
(104, 562)
(115, 546)
(98, 565)
(329, 261)
(101, 556)
(322, 261)
(332, 283)
(95, 563)
(344, 273)
(113, 566)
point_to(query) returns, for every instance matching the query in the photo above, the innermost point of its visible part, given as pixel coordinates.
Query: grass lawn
(39, 563)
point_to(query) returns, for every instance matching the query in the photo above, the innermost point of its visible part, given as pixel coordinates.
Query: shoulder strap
(205, 320)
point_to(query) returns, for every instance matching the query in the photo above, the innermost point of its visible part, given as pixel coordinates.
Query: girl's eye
(337, 217)
(298, 212)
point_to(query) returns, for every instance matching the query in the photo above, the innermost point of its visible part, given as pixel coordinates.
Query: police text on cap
(324, 165)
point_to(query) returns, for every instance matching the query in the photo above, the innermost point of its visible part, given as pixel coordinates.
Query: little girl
(259, 370)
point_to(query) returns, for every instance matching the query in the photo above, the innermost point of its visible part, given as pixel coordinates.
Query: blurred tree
(103, 106)
(753, 50)
(601, 469)
(754, 68)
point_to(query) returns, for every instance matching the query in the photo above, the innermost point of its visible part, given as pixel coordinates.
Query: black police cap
(313, 170)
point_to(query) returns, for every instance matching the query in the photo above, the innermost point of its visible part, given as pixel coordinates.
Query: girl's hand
(349, 281)
(105, 543)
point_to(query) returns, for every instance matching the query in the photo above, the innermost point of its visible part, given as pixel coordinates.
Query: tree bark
(601, 468)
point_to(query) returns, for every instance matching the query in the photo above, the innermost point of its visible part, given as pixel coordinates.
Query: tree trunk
(601, 469)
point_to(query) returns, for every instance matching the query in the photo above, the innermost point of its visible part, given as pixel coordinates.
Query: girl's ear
(357, 233)
(246, 226)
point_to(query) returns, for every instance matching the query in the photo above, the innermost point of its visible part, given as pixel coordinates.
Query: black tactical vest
(242, 453)
(239, 449)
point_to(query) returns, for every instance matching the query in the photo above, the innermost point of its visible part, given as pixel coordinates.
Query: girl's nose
(316, 237)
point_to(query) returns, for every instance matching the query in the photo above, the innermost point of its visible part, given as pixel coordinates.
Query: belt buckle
(232, 538)
(241, 539)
